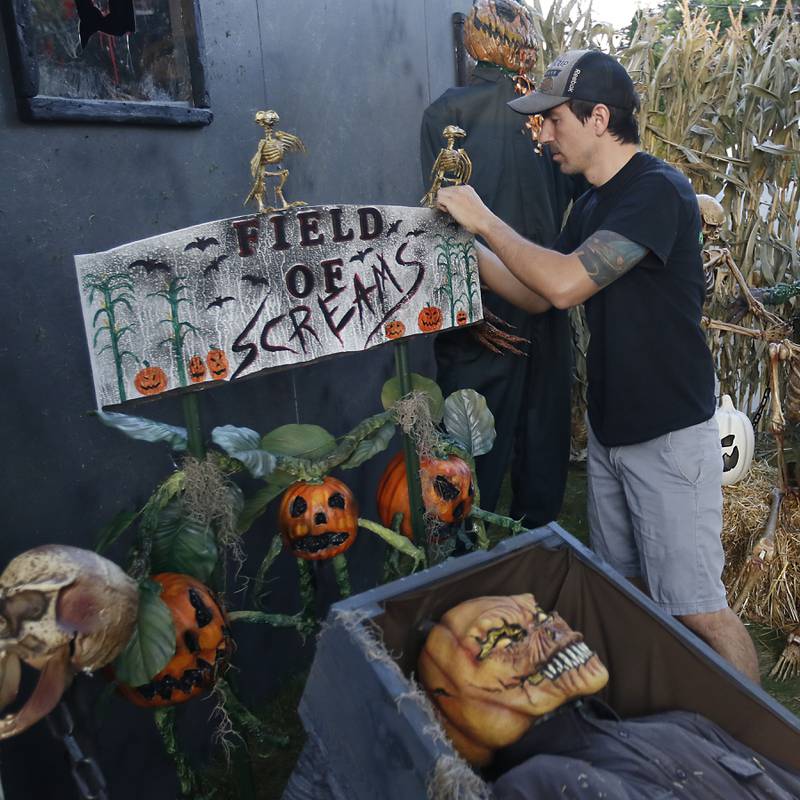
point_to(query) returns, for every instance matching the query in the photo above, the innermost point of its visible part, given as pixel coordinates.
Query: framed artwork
(128, 61)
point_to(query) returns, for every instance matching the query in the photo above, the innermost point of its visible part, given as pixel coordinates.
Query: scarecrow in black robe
(528, 395)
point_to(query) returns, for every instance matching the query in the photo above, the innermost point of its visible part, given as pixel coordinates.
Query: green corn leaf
(115, 529)
(152, 644)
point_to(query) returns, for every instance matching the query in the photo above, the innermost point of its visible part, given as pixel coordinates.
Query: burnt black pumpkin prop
(202, 644)
(318, 520)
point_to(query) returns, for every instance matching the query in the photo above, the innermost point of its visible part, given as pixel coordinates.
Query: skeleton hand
(488, 334)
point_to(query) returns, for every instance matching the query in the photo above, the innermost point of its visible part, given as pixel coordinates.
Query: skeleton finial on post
(271, 150)
(449, 160)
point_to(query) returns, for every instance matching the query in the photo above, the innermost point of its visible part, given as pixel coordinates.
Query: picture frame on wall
(117, 61)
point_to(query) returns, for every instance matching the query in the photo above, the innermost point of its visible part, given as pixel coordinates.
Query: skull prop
(492, 665)
(62, 610)
(713, 216)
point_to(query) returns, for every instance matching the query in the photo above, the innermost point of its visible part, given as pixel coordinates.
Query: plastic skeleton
(452, 161)
(777, 333)
(488, 333)
(271, 150)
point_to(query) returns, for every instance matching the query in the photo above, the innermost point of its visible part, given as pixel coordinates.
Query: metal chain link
(761, 406)
(85, 771)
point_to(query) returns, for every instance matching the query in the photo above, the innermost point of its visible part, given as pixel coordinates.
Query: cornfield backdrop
(722, 104)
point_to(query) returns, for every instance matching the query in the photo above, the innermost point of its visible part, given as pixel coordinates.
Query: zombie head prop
(712, 216)
(501, 32)
(493, 665)
(62, 610)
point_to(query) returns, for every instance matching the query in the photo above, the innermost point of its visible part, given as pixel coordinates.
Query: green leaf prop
(244, 445)
(145, 430)
(115, 529)
(299, 441)
(370, 446)
(469, 421)
(182, 544)
(153, 642)
(390, 393)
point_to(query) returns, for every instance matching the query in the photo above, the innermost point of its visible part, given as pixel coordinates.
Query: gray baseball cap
(584, 75)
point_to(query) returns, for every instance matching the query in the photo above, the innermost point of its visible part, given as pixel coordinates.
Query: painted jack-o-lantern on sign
(229, 299)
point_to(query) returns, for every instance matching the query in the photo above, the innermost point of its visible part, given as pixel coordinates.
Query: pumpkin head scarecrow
(501, 32)
(493, 665)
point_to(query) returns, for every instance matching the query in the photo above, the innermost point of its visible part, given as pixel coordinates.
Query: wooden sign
(230, 299)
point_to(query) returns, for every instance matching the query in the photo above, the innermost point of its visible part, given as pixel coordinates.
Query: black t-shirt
(649, 367)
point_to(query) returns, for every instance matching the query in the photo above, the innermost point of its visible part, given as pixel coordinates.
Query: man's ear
(600, 118)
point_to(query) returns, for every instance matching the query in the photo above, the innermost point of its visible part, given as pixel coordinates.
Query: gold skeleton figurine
(271, 150)
(449, 160)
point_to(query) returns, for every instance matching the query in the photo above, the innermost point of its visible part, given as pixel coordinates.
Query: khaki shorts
(655, 512)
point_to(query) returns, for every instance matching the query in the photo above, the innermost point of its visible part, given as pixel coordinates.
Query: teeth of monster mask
(493, 665)
(62, 610)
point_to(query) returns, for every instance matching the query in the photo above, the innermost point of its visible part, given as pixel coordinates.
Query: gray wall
(352, 77)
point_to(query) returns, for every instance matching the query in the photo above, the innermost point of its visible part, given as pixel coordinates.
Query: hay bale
(746, 505)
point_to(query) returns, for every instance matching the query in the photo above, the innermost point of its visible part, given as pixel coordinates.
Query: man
(629, 252)
(529, 396)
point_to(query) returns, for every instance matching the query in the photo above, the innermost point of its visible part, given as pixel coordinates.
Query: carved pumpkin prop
(63, 610)
(217, 364)
(447, 491)
(202, 644)
(150, 380)
(197, 369)
(430, 319)
(461, 317)
(318, 520)
(737, 440)
(501, 32)
(493, 665)
(395, 329)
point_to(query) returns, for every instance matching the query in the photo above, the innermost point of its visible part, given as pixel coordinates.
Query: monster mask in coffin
(493, 665)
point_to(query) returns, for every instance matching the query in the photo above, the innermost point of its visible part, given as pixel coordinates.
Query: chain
(761, 406)
(85, 772)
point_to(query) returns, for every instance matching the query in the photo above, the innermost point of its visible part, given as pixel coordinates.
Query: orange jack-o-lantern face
(501, 32)
(217, 364)
(461, 317)
(150, 380)
(447, 491)
(492, 665)
(202, 644)
(430, 319)
(395, 329)
(197, 369)
(318, 520)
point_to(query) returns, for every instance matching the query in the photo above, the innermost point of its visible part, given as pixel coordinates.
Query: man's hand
(464, 206)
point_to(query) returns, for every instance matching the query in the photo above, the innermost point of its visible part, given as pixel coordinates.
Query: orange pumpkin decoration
(461, 317)
(318, 520)
(150, 380)
(447, 491)
(217, 364)
(501, 32)
(395, 329)
(202, 644)
(430, 319)
(197, 369)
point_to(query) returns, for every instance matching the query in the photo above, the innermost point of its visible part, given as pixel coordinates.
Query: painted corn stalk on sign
(229, 299)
